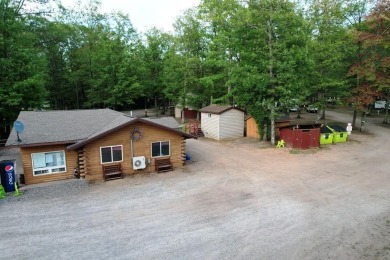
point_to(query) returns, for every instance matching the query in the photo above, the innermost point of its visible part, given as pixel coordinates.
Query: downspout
(131, 150)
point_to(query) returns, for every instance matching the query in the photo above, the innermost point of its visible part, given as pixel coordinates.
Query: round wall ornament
(136, 134)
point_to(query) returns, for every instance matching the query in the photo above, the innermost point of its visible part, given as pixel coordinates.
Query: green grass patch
(306, 151)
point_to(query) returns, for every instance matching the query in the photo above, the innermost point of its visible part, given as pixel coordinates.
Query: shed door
(315, 139)
(306, 139)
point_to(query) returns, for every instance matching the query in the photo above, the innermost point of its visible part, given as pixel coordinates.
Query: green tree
(154, 53)
(374, 64)
(329, 49)
(23, 64)
(355, 13)
(222, 55)
(101, 63)
(187, 58)
(273, 61)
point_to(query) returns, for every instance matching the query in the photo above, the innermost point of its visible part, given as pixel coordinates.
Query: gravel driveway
(234, 200)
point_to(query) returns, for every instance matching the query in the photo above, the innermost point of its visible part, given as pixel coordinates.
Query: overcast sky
(145, 14)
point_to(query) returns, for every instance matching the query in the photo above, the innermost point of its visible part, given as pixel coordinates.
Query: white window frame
(110, 146)
(49, 168)
(151, 149)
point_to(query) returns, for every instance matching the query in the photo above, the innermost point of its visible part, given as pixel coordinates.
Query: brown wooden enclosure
(29, 178)
(142, 147)
(280, 124)
(301, 136)
(190, 114)
(252, 128)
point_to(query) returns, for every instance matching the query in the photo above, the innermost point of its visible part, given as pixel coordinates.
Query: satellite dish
(19, 128)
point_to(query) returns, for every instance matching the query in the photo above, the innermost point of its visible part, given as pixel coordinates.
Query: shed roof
(77, 127)
(165, 121)
(301, 126)
(216, 109)
(280, 119)
(283, 118)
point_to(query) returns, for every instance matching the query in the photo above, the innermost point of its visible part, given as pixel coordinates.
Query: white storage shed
(222, 122)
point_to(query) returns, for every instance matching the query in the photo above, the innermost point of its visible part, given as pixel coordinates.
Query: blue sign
(8, 175)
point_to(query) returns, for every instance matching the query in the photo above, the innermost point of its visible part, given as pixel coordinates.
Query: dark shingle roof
(165, 121)
(61, 125)
(216, 109)
(126, 121)
(76, 127)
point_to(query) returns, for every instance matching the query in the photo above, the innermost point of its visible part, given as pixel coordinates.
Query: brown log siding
(71, 163)
(141, 147)
(90, 154)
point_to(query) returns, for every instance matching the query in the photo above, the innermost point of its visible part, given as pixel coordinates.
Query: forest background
(262, 55)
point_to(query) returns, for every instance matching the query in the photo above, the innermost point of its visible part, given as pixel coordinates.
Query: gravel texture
(61, 189)
(234, 200)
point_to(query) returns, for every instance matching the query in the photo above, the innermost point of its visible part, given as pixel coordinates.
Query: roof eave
(45, 144)
(215, 113)
(89, 140)
(137, 119)
(222, 111)
(167, 128)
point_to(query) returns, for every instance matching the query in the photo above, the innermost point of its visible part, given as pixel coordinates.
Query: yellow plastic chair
(280, 144)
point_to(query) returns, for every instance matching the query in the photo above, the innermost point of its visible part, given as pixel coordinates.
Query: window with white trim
(161, 149)
(48, 163)
(109, 154)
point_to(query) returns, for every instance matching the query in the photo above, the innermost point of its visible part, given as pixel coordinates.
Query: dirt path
(234, 200)
(334, 203)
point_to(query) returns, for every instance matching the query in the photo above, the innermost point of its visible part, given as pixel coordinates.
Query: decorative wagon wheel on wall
(136, 134)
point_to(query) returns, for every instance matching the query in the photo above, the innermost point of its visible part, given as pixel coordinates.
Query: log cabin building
(56, 144)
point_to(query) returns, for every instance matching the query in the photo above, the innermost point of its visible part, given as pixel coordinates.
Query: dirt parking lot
(234, 200)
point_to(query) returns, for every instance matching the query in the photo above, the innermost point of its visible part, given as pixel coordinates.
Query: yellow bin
(340, 134)
(326, 135)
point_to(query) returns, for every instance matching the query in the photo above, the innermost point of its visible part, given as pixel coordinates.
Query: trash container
(339, 133)
(8, 176)
(326, 135)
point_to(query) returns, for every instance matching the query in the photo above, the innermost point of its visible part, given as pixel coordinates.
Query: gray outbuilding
(222, 122)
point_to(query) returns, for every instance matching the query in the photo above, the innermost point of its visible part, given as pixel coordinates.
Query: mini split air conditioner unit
(139, 162)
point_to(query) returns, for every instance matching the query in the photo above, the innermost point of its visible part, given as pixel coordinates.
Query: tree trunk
(155, 105)
(182, 116)
(354, 118)
(386, 118)
(183, 106)
(322, 113)
(387, 107)
(273, 126)
(271, 75)
(363, 121)
(264, 134)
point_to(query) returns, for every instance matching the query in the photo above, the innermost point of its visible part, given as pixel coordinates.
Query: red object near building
(301, 136)
(190, 114)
